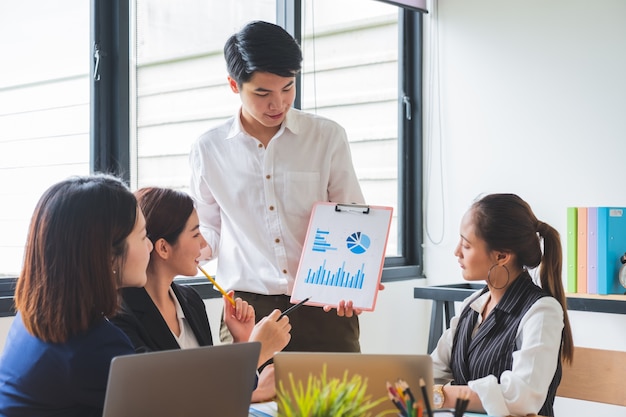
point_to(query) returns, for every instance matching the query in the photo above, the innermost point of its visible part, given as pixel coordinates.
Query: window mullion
(109, 73)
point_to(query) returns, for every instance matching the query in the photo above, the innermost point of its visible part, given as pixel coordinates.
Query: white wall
(526, 97)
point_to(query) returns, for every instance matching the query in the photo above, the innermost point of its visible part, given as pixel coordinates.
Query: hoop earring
(508, 277)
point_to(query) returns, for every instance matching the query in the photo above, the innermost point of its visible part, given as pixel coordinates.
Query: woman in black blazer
(165, 315)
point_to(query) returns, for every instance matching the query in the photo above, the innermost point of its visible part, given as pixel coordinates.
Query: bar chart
(320, 243)
(338, 278)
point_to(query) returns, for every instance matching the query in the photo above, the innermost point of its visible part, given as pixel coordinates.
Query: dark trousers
(312, 329)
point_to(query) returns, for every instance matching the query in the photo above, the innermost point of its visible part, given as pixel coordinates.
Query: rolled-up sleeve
(206, 206)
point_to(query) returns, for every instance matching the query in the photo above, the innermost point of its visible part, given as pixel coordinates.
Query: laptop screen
(378, 369)
(211, 380)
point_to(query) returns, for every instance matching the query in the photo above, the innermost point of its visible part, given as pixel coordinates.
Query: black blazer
(142, 322)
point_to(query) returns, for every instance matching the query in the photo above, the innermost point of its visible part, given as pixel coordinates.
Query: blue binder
(611, 246)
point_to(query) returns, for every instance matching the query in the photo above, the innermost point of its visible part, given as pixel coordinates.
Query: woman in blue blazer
(87, 238)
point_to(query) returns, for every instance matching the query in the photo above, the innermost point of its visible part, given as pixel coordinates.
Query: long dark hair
(77, 236)
(507, 223)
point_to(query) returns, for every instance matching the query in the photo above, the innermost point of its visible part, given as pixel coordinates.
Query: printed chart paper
(343, 255)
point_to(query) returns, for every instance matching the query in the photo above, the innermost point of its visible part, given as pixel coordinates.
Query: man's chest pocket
(302, 190)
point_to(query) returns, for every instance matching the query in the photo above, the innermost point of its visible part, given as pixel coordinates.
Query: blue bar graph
(319, 242)
(340, 278)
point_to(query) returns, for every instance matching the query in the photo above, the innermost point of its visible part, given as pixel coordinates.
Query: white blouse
(187, 338)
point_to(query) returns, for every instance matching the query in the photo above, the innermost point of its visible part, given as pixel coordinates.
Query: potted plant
(327, 397)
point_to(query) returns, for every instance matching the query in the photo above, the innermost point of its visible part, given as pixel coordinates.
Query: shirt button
(277, 240)
(284, 271)
(271, 208)
(260, 145)
(268, 176)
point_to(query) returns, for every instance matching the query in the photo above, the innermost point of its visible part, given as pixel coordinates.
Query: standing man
(256, 177)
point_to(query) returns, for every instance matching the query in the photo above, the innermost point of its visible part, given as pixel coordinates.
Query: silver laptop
(206, 381)
(377, 368)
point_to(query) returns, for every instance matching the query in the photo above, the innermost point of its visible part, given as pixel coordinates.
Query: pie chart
(358, 242)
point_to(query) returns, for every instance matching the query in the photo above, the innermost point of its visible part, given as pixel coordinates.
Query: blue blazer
(68, 379)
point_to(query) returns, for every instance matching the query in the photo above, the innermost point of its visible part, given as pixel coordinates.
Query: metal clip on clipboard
(359, 208)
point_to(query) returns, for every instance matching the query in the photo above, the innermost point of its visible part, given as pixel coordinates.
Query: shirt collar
(235, 128)
(478, 305)
(291, 123)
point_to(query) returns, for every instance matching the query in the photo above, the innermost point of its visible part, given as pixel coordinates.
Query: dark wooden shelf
(444, 297)
(613, 303)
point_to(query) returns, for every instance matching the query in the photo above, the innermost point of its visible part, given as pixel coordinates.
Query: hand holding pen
(239, 318)
(273, 333)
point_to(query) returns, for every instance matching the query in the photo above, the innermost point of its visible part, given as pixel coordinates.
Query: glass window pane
(351, 76)
(181, 88)
(44, 109)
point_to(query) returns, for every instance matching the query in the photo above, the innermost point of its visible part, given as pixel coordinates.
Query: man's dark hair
(263, 47)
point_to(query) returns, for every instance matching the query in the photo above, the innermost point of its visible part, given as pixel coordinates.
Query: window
(350, 74)
(361, 60)
(362, 68)
(181, 88)
(44, 110)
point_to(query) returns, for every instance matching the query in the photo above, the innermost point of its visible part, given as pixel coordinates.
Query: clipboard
(343, 255)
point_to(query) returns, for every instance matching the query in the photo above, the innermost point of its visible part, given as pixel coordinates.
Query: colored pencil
(426, 397)
(220, 289)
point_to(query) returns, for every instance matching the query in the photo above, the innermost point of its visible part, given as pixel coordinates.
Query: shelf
(614, 303)
(444, 297)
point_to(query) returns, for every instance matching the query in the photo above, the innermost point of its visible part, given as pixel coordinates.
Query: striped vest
(490, 351)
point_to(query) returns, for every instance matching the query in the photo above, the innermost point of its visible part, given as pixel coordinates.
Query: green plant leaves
(323, 397)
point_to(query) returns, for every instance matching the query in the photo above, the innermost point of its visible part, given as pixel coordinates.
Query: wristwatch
(438, 396)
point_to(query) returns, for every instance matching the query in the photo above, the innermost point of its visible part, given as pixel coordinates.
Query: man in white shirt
(256, 177)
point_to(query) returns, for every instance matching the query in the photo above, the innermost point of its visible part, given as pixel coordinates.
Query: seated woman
(87, 237)
(165, 315)
(507, 343)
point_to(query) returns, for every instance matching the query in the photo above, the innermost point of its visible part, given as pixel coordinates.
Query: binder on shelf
(572, 248)
(592, 250)
(343, 255)
(581, 273)
(611, 246)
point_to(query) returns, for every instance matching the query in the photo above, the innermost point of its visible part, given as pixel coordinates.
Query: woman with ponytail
(506, 346)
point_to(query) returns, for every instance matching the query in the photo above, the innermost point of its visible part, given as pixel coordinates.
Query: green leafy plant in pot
(327, 397)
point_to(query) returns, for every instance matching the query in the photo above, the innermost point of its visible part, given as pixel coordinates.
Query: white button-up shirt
(254, 203)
